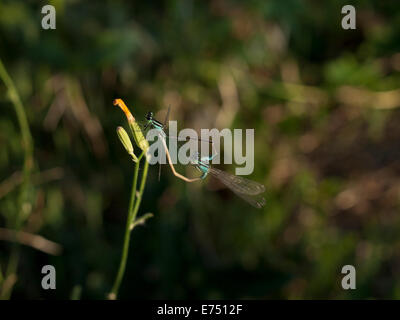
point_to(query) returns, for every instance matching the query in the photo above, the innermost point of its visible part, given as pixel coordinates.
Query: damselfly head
(149, 116)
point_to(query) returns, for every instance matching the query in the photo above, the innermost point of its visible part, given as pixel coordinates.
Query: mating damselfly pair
(248, 190)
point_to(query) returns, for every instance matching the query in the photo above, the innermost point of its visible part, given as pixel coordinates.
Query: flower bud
(135, 128)
(126, 142)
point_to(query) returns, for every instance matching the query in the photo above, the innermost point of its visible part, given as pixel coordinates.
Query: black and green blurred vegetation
(324, 103)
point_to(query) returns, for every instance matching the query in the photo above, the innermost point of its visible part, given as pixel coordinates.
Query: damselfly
(141, 140)
(248, 190)
(161, 127)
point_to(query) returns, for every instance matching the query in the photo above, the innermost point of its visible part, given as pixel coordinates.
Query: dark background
(324, 105)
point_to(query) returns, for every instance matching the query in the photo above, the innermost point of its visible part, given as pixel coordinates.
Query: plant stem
(133, 209)
(133, 191)
(27, 144)
(22, 119)
(142, 184)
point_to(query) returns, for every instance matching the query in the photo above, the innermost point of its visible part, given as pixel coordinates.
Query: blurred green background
(324, 103)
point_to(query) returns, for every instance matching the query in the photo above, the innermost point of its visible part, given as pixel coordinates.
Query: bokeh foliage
(324, 103)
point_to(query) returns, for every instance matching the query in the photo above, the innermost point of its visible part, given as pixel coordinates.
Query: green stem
(133, 209)
(22, 119)
(142, 184)
(27, 143)
(133, 191)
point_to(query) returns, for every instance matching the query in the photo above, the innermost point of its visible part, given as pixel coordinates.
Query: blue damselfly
(248, 190)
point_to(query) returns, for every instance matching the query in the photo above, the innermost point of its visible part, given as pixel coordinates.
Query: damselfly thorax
(154, 122)
(203, 167)
(248, 190)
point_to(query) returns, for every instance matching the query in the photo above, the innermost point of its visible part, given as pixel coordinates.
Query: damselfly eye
(149, 115)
